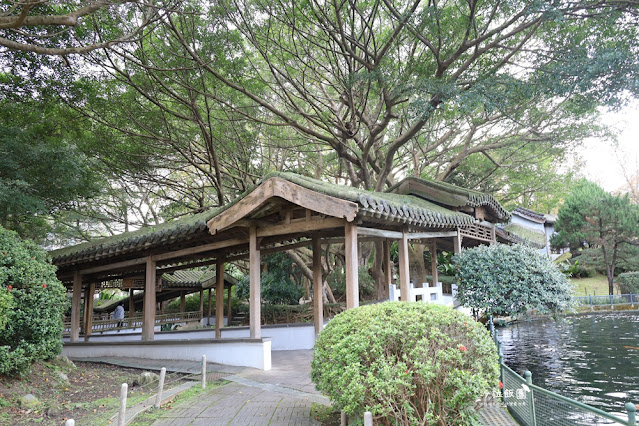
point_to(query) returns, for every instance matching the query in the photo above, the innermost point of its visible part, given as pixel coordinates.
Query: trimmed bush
(407, 363)
(32, 302)
(628, 282)
(509, 280)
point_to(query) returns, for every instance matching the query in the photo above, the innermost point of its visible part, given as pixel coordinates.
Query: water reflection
(592, 358)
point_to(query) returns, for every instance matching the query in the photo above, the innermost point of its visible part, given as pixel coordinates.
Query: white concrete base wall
(242, 353)
(284, 337)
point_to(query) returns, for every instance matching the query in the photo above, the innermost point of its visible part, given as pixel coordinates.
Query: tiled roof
(194, 278)
(385, 205)
(522, 235)
(450, 195)
(530, 214)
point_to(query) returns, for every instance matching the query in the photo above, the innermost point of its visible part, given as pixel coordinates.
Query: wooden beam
(113, 266)
(182, 302)
(301, 226)
(318, 293)
(255, 287)
(457, 243)
(148, 323)
(372, 232)
(388, 267)
(219, 298)
(75, 306)
(88, 308)
(352, 283)
(201, 304)
(296, 194)
(131, 303)
(433, 262)
(428, 235)
(228, 308)
(404, 275)
(200, 249)
(208, 320)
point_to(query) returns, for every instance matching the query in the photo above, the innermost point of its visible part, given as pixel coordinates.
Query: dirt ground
(90, 396)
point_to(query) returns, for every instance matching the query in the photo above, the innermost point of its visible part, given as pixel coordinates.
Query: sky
(602, 160)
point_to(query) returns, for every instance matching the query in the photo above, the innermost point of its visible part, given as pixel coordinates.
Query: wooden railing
(100, 324)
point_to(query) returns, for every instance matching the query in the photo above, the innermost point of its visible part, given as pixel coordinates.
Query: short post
(632, 413)
(203, 371)
(368, 418)
(531, 400)
(343, 419)
(158, 397)
(122, 413)
(69, 422)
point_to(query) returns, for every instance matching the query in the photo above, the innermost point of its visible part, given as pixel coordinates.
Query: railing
(608, 299)
(101, 325)
(532, 405)
(428, 294)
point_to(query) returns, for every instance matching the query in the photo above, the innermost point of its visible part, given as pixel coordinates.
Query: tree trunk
(377, 272)
(417, 267)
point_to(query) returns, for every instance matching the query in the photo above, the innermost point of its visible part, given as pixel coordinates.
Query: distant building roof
(530, 214)
(449, 195)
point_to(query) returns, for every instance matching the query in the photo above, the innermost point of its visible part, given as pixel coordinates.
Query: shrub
(628, 282)
(32, 302)
(407, 363)
(509, 280)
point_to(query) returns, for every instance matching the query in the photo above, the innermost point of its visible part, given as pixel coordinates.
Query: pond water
(591, 358)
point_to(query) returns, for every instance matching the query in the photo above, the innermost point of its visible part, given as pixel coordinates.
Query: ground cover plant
(407, 363)
(89, 394)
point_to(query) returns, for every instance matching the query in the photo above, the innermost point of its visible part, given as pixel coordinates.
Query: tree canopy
(602, 225)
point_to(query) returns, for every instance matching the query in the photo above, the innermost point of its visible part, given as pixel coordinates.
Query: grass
(325, 414)
(596, 285)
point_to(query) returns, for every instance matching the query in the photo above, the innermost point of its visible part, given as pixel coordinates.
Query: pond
(591, 358)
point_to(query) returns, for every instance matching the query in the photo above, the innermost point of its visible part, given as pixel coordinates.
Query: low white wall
(254, 353)
(284, 337)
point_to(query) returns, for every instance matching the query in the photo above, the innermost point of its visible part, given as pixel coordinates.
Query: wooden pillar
(131, 304)
(219, 297)
(433, 262)
(457, 243)
(75, 307)
(201, 304)
(85, 313)
(404, 276)
(255, 287)
(388, 267)
(148, 323)
(318, 293)
(88, 306)
(228, 308)
(493, 236)
(352, 282)
(182, 302)
(208, 321)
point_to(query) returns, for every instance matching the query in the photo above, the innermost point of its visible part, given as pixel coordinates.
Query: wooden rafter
(293, 193)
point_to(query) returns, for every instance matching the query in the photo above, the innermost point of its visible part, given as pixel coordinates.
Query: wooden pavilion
(284, 211)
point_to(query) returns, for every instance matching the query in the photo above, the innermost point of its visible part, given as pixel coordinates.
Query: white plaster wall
(286, 337)
(243, 354)
(517, 220)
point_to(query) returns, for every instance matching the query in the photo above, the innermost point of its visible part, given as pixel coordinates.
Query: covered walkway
(283, 212)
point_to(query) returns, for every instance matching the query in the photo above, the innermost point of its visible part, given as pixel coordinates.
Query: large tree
(602, 224)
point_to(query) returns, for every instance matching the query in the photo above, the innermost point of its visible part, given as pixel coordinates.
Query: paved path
(282, 396)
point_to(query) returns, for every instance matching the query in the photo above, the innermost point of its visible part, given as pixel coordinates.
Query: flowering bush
(32, 302)
(407, 363)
